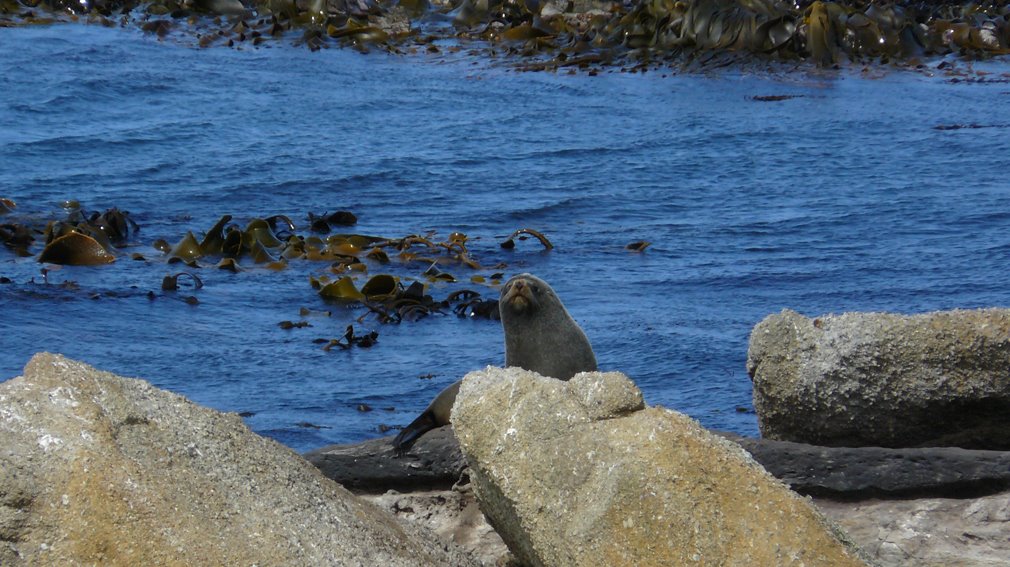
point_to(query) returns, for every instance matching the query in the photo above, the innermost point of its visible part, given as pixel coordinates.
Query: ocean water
(846, 197)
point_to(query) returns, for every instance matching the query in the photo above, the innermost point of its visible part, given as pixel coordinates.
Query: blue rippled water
(844, 198)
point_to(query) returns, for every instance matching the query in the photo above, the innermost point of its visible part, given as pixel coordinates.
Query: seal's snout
(519, 295)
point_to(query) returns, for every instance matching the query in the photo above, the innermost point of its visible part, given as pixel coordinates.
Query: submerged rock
(859, 379)
(581, 473)
(99, 469)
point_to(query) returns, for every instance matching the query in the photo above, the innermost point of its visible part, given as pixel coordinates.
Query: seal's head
(524, 294)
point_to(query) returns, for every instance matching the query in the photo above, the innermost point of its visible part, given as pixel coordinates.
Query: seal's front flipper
(435, 415)
(410, 434)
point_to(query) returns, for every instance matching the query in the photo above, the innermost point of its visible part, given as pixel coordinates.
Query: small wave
(528, 212)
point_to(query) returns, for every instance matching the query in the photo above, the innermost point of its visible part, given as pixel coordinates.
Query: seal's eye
(536, 289)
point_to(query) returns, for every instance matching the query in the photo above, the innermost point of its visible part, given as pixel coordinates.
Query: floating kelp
(213, 240)
(6, 206)
(774, 98)
(229, 264)
(381, 288)
(187, 249)
(259, 253)
(638, 246)
(308, 425)
(509, 243)
(259, 231)
(76, 249)
(434, 273)
(171, 282)
(288, 325)
(341, 290)
(470, 304)
(17, 237)
(379, 255)
(971, 126)
(115, 225)
(389, 298)
(350, 340)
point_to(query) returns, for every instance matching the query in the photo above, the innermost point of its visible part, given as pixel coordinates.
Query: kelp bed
(553, 34)
(388, 280)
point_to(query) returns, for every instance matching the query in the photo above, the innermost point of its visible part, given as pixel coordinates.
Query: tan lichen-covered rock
(860, 379)
(581, 473)
(99, 469)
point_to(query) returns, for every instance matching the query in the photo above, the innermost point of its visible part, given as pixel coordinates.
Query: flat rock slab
(434, 462)
(928, 532)
(877, 472)
(849, 473)
(451, 514)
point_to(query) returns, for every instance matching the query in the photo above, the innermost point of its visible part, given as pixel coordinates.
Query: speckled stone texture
(96, 469)
(582, 473)
(862, 379)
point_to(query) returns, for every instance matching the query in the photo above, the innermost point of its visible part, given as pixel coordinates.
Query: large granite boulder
(859, 379)
(581, 473)
(99, 469)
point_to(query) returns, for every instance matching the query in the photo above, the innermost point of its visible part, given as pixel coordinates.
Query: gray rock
(878, 379)
(99, 469)
(928, 532)
(372, 466)
(849, 473)
(452, 514)
(580, 473)
(854, 473)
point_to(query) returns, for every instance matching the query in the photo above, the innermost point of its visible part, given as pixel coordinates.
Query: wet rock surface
(100, 469)
(857, 473)
(435, 461)
(881, 379)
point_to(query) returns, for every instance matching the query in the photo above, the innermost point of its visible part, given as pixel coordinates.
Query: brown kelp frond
(509, 243)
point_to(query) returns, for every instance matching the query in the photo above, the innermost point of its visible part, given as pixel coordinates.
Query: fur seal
(540, 335)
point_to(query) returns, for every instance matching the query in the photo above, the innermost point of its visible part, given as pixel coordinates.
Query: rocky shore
(542, 35)
(101, 469)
